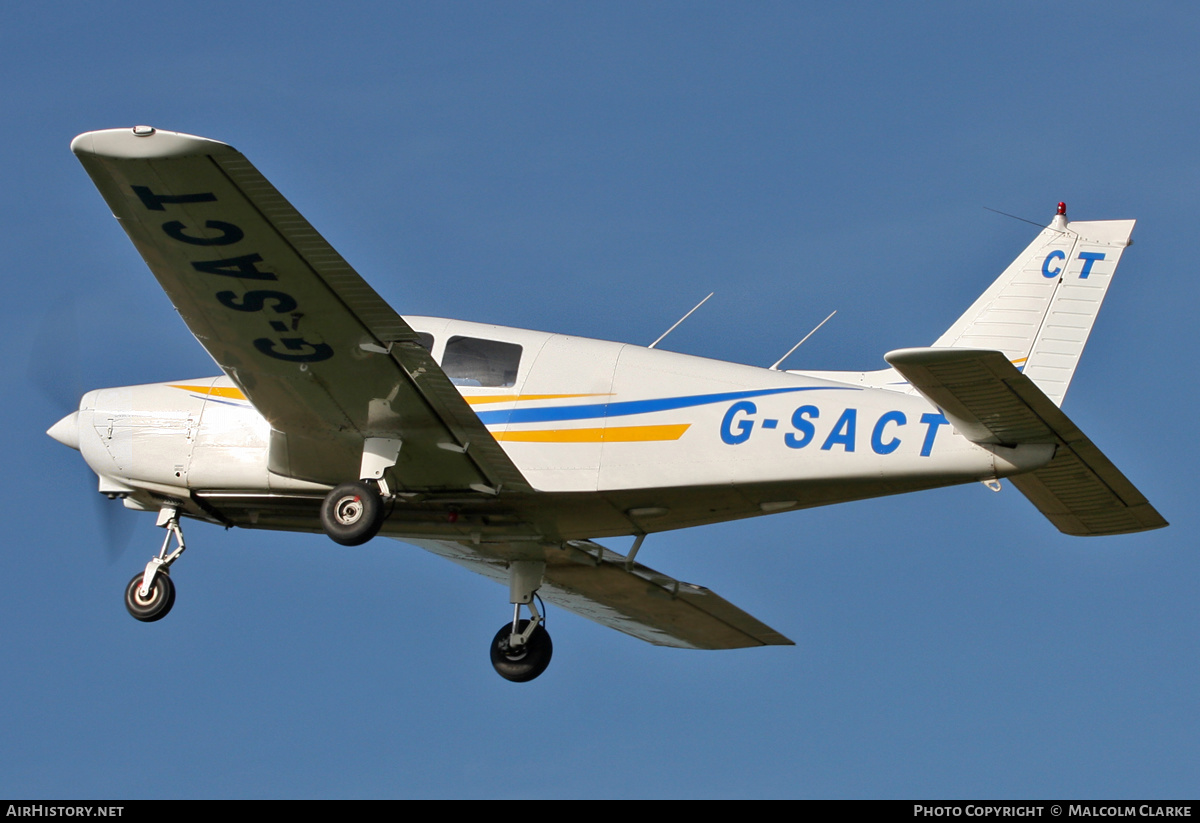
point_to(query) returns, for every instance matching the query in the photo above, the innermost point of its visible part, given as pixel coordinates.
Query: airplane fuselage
(615, 438)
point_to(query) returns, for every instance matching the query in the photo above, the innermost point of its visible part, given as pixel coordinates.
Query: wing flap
(596, 583)
(989, 401)
(316, 350)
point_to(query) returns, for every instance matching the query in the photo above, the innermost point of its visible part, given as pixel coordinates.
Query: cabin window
(426, 340)
(469, 361)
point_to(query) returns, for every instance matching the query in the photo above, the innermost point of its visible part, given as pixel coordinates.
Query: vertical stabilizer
(1040, 311)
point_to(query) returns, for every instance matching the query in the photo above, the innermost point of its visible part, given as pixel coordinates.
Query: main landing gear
(352, 513)
(521, 650)
(151, 594)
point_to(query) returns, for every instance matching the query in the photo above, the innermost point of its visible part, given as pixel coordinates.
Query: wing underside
(585, 578)
(316, 350)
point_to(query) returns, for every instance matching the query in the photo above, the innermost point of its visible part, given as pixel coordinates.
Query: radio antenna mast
(680, 320)
(793, 348)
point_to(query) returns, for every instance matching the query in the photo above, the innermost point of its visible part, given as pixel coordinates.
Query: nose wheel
(156, 604)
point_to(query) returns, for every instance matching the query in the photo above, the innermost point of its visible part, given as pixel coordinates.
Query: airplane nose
(66, 431)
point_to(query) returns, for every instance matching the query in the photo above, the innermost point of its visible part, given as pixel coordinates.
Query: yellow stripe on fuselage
(229, 393)
(612, 434)
(480, 399)
(232, 393)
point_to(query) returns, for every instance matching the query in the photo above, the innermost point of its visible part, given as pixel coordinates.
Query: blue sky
(597, 168)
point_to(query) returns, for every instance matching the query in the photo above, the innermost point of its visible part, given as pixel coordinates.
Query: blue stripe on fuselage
(628, 407)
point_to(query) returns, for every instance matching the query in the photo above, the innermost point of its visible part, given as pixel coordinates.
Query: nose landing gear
(151, 594)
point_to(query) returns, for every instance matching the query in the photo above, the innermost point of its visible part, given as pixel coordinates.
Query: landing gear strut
(521, 650)
(151, 594)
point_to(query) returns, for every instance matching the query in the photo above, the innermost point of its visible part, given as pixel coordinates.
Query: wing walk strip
(989, 401)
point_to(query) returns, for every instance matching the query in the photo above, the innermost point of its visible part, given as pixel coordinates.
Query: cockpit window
(469, 361)
(426, 340)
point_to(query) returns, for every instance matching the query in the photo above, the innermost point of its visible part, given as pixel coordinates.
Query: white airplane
(508, 451)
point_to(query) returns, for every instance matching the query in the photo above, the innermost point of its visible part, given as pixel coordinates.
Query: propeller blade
(116, 524)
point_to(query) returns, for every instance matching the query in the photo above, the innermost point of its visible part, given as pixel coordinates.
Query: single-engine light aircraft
(510, 451)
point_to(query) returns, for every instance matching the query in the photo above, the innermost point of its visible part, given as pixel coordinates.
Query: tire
(352, 513)
(157, 604)
(526, 664)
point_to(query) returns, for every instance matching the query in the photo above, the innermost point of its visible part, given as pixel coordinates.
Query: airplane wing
(585, 578)
(320, 355)
(989, 401)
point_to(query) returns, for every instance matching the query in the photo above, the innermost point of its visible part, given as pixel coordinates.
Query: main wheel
(155, 605)
(523, 664)
(352, 513)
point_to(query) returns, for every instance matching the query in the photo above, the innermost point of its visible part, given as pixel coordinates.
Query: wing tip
(144, 142)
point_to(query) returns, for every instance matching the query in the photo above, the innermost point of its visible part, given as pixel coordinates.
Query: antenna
(1062, 210)
(793, 348)
(680, 320)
